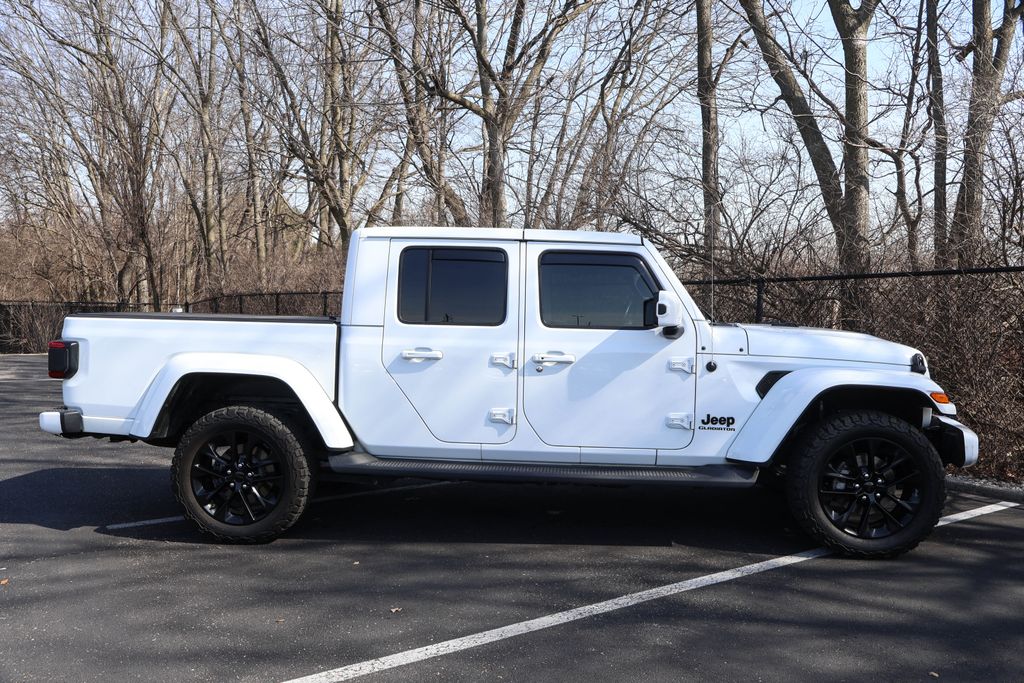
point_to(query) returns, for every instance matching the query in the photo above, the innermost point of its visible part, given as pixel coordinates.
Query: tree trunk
(848, 209)
(966, 227)
(493, 209)
(792, 94)
(706, 94)
(852, 26)
(415, 115)
(937, 113)
(398, 211)
(991, 49)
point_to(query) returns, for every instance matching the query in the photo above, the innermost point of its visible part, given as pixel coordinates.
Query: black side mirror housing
(650, 312)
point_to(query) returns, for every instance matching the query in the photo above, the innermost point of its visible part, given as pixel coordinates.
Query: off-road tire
(291, 449)
(824, 443)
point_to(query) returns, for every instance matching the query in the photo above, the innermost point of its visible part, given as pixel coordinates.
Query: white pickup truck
(516, 355)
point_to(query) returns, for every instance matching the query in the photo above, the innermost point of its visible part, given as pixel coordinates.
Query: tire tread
(292, 439)
(805, 465)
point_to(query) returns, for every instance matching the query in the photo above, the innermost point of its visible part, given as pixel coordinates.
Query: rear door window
(452, 286)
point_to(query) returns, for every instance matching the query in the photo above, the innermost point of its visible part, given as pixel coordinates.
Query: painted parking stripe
(976, 512)
(351, 671)
(324, 499)
(145, 522)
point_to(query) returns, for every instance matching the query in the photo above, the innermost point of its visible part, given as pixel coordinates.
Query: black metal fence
(273, 303)
(969, 324)
(26, 326)
(755, 299)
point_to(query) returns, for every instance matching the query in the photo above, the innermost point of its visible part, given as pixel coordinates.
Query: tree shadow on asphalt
(753, 520)
(952, 606)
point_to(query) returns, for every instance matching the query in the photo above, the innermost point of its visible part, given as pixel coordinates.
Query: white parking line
(324, 499)
(976, 512)
(145, 522)
(483, 638)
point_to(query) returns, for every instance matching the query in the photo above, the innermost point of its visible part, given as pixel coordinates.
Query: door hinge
(506, 359)
(679, 421)
(681, 364)
(502, 415)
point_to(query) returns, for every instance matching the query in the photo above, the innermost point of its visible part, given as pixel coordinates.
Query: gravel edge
(985, 488)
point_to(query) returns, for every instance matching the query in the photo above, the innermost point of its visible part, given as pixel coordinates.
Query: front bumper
(956, 443)
(63, 422)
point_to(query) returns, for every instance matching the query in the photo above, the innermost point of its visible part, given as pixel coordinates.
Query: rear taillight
(63, 359)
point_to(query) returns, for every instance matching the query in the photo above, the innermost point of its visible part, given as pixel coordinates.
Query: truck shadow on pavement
(65, 498)
(752, 520)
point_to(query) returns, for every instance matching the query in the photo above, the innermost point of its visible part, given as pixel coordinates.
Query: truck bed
(122, 355)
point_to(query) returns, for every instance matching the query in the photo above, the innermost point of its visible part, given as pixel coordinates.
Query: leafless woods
(167, 150)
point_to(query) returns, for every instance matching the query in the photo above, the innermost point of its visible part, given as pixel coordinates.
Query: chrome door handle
(422, 354)
(554, 358)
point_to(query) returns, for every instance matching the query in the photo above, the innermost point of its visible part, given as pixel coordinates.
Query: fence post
(759, 302)
(215, 304)
(240, 304)
(277, 303)
(323, 295)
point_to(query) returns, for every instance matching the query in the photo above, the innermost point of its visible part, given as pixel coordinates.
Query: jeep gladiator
(516, 355)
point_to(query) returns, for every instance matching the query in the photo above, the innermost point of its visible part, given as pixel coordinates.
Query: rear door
(597, 373)
(451, 332)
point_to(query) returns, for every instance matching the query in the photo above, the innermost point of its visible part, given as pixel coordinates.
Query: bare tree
(846, 201)
(708, 76)
(195, 68)
(179, 149)
(110, 109)
(507, 77)
(937, 116)
(990, 49)
(321, 115)
(706, 83)
(417, 115)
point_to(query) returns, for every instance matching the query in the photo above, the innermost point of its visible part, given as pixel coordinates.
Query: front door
(451, 331)
(597, 373)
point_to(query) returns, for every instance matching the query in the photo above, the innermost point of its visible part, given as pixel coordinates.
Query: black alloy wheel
(870, 488)
(242, 474)
(866, 484)
(237, 477)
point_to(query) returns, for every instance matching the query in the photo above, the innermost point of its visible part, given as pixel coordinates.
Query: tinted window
(595, 290)
(452, 286)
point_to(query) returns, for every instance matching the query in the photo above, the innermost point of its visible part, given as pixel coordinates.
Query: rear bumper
(956, 443)
(63, 422)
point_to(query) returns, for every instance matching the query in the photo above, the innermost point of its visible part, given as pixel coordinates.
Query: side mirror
(669, 309)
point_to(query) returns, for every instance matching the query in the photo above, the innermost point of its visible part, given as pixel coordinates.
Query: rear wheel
(242, 474)
(866, 484)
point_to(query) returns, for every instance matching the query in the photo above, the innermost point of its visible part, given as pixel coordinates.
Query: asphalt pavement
(101, 580)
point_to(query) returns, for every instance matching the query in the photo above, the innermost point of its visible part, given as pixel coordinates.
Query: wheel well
(905, 404)
(197, 394)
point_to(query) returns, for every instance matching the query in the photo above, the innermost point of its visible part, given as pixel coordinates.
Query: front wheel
(866, 484)
(242, 474)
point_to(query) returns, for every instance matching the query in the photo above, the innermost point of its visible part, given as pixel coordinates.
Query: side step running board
(363, 464)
